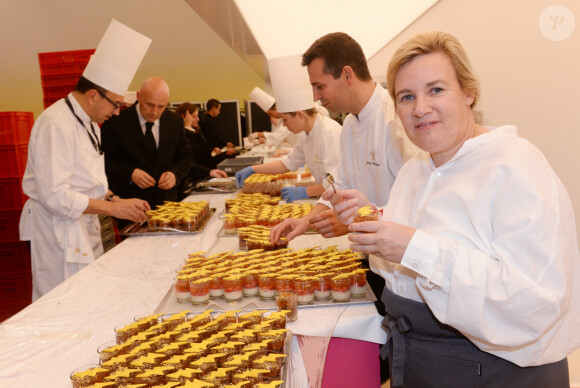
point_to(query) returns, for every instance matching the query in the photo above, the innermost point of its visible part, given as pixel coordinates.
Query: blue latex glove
(293, 193)
(242, 175)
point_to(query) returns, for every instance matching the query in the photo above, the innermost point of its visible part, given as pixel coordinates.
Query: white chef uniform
(65, 167)
(318, 149)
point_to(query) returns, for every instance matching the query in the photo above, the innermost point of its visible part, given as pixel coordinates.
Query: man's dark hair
(338, 50)
(84, 85)
(212, 103)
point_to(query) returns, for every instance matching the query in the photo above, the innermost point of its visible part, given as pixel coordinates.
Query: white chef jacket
(318, 149)
(280, 134)
(62, 172)
(373, 148)
(495, 254)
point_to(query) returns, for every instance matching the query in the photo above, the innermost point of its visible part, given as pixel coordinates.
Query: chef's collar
(79, 111)
(366, 111)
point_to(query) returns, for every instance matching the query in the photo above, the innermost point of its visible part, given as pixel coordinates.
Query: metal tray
(170, 304)
(222, 232)
(140, 229)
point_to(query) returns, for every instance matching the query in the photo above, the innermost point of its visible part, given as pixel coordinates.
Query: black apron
(424, 352)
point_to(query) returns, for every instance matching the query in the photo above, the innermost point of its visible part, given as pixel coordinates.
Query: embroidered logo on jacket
(373, 161)
(318, 159)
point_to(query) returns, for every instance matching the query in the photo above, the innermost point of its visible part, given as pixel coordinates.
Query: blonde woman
(477, 245)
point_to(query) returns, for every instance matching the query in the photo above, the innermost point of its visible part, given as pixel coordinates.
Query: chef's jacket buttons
(414, 265)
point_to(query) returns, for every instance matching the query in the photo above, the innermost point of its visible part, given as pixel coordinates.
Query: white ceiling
(262, 29)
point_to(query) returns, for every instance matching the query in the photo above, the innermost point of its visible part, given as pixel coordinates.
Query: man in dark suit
(146, 153)
(209, 129)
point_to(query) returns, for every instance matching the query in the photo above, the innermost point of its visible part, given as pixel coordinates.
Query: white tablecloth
(61, 331)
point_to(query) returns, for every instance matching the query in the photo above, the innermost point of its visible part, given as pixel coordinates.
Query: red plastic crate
(8, 310)
(63, 68)
(16, 288)
(15, 257)
(15, 127)
(9, 221)
(65, 56)
(11, 195)
(13, 160)
(60, 80)
(49, 101)
(64, 62)
(57, 91)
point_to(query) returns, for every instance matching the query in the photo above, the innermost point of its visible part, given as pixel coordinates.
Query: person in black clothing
(203, 162)
(200, 147)
(209, 129)
(146, 153)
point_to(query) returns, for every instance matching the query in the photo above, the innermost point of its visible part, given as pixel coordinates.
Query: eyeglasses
(117, 106)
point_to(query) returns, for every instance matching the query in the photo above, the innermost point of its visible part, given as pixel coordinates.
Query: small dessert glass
(286, 300)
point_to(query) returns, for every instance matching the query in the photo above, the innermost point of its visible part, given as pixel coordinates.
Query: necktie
(150, 139)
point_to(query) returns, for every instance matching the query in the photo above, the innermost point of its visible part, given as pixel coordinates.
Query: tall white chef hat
(117, 58)
(263, 99)
(291, 84)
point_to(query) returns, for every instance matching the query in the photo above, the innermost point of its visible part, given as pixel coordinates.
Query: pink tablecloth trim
(352, 363)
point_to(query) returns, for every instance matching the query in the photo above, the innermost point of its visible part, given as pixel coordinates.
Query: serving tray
(142, 229)
(170, 303)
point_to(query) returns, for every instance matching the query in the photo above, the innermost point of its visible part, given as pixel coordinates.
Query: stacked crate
(15, 271)
(60, 71)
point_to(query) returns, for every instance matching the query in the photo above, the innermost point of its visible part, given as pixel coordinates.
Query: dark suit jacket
(201, 150)
(124, 146)
(210, 131)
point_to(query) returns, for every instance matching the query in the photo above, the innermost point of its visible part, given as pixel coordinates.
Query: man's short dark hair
(84, 85)
(212, 103)
(338, 50)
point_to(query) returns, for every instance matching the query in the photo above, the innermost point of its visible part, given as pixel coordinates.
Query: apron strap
(396, 328)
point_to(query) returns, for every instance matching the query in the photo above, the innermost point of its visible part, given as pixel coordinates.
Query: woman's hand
(384, 239)
(345, 203)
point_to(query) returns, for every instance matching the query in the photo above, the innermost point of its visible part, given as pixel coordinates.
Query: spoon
(330, 179)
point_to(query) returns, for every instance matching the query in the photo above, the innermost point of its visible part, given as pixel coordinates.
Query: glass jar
(250, 280)
(182, 291)
(340, 288)
(88, 375)
(216, 286)
(304, 288)
(233, 288)
(358, 285)
(267, 286)
(284, 283)
(287, 301)
(322, 287)
(199, 290)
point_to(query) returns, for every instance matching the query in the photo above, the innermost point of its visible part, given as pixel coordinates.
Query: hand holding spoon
(330, 179)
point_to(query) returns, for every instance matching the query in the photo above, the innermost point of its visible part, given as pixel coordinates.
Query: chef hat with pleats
(263, 99)
(291, 84)
(117, 58)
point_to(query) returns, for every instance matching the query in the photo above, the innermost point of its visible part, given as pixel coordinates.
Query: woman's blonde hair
(429, 43)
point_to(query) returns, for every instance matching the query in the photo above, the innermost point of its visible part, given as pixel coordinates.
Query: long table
(44, 343)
